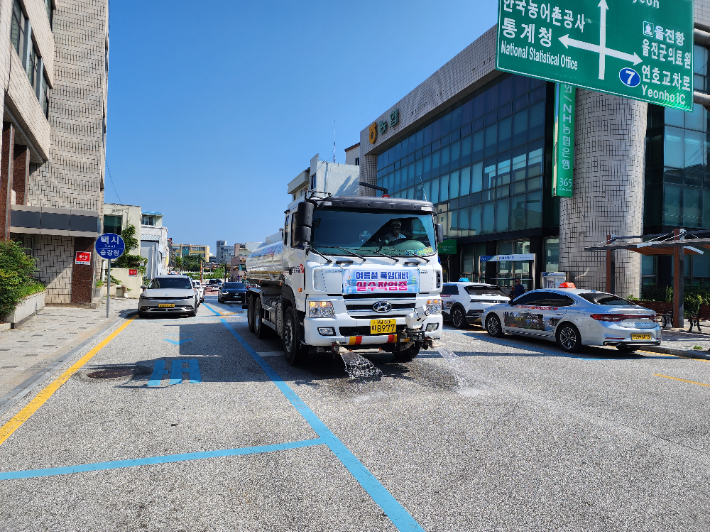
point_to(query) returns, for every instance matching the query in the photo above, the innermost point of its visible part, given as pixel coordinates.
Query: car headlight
(321, 309)
(433, 306)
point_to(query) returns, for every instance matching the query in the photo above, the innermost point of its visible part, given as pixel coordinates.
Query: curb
(23, 389)
(699, 355)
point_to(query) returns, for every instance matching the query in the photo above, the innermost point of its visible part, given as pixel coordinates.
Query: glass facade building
(677, 190)
(482, 162)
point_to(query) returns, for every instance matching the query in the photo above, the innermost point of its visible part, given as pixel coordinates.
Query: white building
(154, 243)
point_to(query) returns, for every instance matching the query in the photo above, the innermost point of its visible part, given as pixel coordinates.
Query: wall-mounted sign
(563, 141)
(133, 273)
(447, 247)
(382, 125)
(521, 257)
(83, 257)
(641, 49)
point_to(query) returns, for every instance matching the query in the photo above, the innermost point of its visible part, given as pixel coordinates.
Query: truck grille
(368, 307)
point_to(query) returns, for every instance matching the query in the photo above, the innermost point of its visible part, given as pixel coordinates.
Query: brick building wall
(55, 255)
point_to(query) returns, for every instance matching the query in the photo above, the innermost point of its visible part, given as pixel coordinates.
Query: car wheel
(458, 318)
(260, 330)
(192, 313)
(250, 314)
(493, 326)
(627, 348)
(295, 352)
(406, 355)
(568, 338)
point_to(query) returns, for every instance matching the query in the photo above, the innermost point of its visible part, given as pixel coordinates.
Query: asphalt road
(478, 434)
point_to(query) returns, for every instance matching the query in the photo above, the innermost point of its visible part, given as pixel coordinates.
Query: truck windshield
(369, 232)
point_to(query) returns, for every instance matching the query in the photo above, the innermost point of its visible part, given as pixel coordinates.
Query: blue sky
(215, 106)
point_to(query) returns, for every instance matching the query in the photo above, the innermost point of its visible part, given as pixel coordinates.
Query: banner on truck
(380, 281)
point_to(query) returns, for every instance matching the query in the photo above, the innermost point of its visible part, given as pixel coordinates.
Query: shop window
(518, 213)
(552, 254)
(672, 199)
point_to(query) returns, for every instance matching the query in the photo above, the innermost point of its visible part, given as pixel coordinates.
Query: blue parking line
(158, 372)
(154, 460)
(213, 311)
(380, 495)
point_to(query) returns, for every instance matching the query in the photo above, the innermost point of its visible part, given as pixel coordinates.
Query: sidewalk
(41, 343)
(683, 343)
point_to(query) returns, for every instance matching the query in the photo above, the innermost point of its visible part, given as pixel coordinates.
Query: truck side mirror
(439, 233)
(304, 214)
(302, 234)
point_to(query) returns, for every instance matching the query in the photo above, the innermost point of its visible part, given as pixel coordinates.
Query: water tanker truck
(355, 272)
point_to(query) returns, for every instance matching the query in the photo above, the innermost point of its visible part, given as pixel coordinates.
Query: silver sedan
(168, 294)
(574, 318)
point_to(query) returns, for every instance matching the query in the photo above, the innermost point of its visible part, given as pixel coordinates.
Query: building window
(17, 30)
(50, 11)
(357, 161)
(147, 220)
(113, 224)
(481, 162)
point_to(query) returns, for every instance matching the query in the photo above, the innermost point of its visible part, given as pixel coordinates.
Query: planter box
(26, 307)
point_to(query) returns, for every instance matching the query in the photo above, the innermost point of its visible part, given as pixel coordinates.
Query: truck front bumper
(350, 331)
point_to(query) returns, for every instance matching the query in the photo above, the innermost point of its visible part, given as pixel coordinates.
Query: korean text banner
(641, 49)
(380, 281)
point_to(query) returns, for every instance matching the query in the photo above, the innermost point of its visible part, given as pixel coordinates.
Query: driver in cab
(394, 233)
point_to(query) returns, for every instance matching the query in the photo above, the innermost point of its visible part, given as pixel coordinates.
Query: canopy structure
(679, 244)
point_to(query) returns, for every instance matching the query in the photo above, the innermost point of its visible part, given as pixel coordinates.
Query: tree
(127, 260)
(191, 263)
(178, 263)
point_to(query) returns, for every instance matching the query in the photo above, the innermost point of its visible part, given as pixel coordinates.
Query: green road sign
(447, 247)
(563, 159)
(641, 49)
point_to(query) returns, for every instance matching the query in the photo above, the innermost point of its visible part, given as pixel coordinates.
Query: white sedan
(574, 318)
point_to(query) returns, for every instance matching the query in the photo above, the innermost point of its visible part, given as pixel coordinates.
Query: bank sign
(641, 49)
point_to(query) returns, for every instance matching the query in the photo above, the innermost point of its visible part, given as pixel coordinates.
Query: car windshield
(600, 298)
(171, 282)
(373, 232)
(234, 285)
(485, 291)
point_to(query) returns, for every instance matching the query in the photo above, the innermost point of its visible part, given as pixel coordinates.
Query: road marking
(212, 310)
(154, 460)
(176, 372)
(23, 415)
(271, 353)
(394, 510)
(681, 380)
(178, 342)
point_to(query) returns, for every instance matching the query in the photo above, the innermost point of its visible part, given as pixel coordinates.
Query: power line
(112, 183)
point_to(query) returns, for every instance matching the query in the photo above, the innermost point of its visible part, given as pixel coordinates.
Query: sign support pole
(108, 288)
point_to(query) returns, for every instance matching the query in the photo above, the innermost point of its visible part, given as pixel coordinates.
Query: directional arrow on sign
(601, 48)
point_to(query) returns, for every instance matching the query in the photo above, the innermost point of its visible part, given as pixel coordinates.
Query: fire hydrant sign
(641, 49)
(83, 257)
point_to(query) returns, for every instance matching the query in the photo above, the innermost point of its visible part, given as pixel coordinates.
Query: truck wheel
(458, 318)
(260, 330)
(295, 352)
(250, 314)
(406, 355)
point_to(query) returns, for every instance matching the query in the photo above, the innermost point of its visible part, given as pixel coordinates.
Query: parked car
(200, 290)
(464, 303)
(168, 294)
(574, 318)
(232, 292)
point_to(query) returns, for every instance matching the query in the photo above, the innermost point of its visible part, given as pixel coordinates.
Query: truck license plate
(383, 326)
(166, 305)
(641, 337)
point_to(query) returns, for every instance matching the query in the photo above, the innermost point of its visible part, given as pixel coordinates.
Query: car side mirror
(143, 287)
(439, 233)
(302, 234)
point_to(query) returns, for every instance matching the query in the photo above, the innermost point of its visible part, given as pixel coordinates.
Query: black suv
(232, 292)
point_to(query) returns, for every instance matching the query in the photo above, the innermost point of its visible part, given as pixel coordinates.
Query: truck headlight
(321, 309)
(433, 306)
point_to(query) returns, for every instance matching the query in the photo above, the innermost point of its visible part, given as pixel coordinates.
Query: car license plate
(383, 326)
(641, 337)
(166, 305)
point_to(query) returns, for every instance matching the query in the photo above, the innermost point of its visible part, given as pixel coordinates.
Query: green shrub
(693, 296)
(16, 281)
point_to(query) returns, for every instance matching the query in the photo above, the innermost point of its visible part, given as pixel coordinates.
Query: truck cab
(358, 272)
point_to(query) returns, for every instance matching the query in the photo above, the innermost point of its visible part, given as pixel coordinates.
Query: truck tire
(406, 355)
(260, 330)
(295, 352)
(250, 314)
